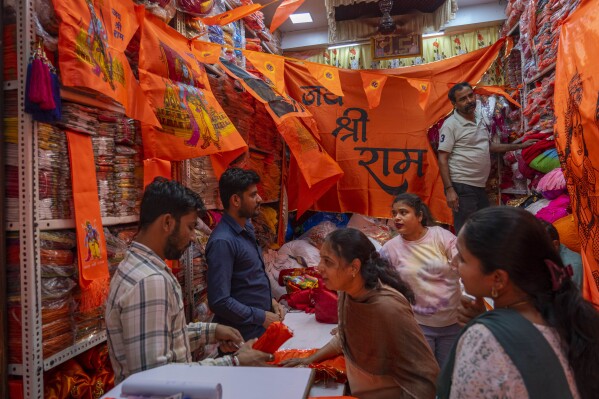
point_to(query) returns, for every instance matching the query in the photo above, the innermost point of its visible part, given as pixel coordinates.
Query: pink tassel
(47, 103)
(35, 85)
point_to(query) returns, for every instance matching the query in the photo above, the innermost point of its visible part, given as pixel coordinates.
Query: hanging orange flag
(576, 131)
(93, 38)
(155, 167)
(327, 76)
(284, 10)
(490, 90)
(91, 243)
(231, 16)
(193, 122)
(373, 87)
(206, 52)
(269, 65)
(422, 86)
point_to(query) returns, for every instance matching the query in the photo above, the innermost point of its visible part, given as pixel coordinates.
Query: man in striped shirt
(145, 317)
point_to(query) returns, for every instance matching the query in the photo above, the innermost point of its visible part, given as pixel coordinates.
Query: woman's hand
(296, 362)
(251, 357)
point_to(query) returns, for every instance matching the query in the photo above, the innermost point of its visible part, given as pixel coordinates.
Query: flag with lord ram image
(175, 82)
(577, 131)
(93, 36)
(384, 151)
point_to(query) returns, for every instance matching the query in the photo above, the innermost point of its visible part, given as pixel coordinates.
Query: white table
(307, 334)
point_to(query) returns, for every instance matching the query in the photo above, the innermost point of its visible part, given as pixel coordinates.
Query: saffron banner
(577, 131)
(385, 151)
(373, 84)
(193, 122)
(91, 243)
(327, 76)
(231, 16)
(93, 37)
(283, 11)
(271, 66)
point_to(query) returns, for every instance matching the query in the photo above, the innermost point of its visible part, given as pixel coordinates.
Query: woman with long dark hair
(541, 340)
(385, 352)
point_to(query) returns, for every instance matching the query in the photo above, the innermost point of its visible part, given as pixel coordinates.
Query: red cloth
(537, 148)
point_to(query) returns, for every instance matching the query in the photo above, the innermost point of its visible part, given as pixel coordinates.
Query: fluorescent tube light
(434, 34)
(343, 45)
(301, 18)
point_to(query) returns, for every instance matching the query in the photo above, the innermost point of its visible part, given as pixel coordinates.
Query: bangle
(235, 360)
(447, 188)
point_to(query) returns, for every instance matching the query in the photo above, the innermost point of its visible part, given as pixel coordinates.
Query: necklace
(516, 304)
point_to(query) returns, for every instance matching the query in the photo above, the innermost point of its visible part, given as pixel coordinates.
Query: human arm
(220, 256)
(210, 333)
(450, 193)
(278, 310)
(331, 349)
(501, 147)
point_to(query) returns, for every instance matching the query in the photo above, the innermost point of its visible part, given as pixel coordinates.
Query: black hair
(164, 196)
(415, 202)
(351, 244)
(550, 229)
(513, 240)
(455, 88)
(235, 181)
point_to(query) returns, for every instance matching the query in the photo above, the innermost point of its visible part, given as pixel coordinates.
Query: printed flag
(422, 86)
(232, 15)
(577, 131)
(93, 37)
(327, 76)
(373, 84)
(271, 66)
(283, 11)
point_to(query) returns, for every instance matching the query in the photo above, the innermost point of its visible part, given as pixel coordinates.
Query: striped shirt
(145, 318)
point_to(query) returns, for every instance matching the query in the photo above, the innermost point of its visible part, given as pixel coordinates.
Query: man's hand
(279, 310)
(452, 199)
(270, 318)
(250, 357)
(468, 309)
(229, 338)
(528, 143)
(296, 362)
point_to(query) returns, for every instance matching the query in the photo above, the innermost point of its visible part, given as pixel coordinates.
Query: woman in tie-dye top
(422, 253)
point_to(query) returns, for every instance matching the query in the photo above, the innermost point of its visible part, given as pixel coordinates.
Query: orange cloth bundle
(331, 368)
(275, 335)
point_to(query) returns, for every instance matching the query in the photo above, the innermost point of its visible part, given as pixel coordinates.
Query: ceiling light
(434, 34)
(301, 18)
(343, 45)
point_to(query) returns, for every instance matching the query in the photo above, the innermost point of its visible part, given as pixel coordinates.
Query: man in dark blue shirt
(238, 287)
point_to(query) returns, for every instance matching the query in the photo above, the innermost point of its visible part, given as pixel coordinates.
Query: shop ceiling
(317, 9)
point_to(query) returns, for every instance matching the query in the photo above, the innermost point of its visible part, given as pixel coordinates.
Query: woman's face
(405, 219)
(475, 282)
(335, 271)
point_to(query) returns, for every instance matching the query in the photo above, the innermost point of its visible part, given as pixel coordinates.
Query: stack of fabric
(9, 37)
(10, 130)
(513, 11)
(239, 106)
(79, 118)
(104, 149)
(55, 188)
(204, 182)
(115, 250)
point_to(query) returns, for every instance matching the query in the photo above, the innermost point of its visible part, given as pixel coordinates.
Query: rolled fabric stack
(104, 149)
(79, 118)
(513, 11)
(239, 106)
(204, 182)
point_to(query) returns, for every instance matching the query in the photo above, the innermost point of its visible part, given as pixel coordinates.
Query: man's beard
(171, 252)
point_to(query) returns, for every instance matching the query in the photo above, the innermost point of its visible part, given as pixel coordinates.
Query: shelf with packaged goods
(539, 75)
(61, 224)
(65, 354)
(10, 84)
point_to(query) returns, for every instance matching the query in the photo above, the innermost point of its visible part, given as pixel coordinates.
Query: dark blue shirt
(238, 287)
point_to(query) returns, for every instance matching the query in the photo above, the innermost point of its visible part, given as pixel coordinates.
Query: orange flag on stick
(327, 76)
(373, 87)
(206, 52)
(271, 66)
(284, 10)
(232, 15)
(577, 128)
(93, 38)
(422, 86)
(194, 123)
(91, 243)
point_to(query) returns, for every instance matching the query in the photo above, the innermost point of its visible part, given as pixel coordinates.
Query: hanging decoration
(42, 88)
(327, 76)
(373, 84)
(193, 122)
(271, 66)
(576, 131)
(232, 15)
(283, 11)
(93, 37)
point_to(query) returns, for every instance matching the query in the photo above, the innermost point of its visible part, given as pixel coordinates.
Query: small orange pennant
(232, 15)
(373, 87)
(271, 66)
(206, 52)
(327, 76)
(490, 90)
(423, 87)
(284, 10)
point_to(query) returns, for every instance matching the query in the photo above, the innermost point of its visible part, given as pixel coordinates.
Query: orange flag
(576, 130)
(91, 243)
(93, 38)
(422, 85)
(194, 123)
(384, 151)
(271, 66)
(206, 52)
(327, 76)
(490, 90)
(373, 84)
(284, 10)
(231, 16)
(155, 167)
(313, 171)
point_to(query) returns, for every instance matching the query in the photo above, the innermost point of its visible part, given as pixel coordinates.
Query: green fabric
(544, 162)
(528, 349)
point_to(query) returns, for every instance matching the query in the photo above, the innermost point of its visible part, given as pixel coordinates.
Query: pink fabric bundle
(553, 184)
(556, 209)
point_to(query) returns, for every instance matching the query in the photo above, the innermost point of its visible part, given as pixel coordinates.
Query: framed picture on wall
(396, 46)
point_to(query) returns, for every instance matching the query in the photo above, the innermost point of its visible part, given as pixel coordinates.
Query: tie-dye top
(425, 265)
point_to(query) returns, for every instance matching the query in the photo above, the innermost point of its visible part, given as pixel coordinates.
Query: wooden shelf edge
(61, 224)
(539, 75)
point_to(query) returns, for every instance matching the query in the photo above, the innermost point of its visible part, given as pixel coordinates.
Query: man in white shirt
(464, 159)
